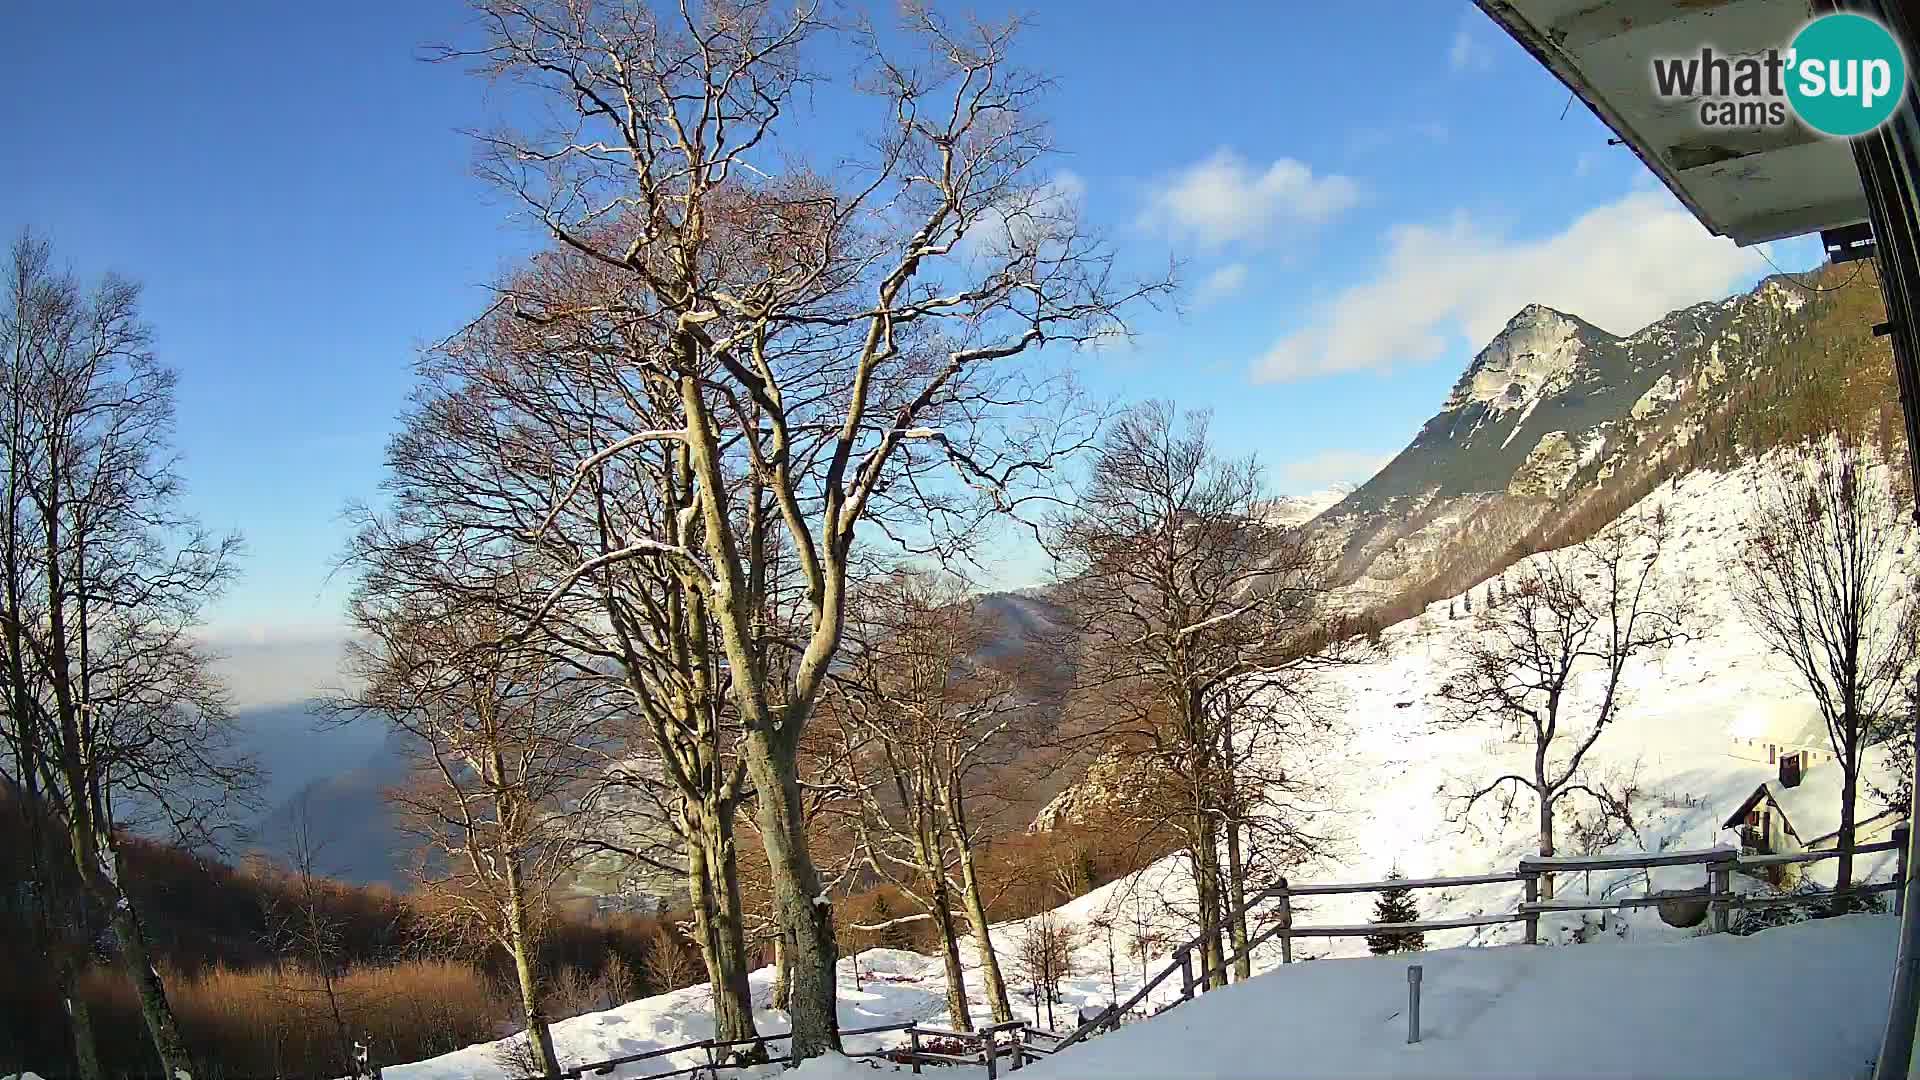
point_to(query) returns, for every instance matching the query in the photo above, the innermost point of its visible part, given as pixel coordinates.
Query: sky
(1356, 204)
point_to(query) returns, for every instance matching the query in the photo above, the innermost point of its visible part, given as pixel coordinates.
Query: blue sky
(1358, 202)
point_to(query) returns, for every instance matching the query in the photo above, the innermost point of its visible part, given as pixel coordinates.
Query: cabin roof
(1811, 809)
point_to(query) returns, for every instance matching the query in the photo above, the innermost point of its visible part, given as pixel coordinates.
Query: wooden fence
(1018, 1043)
(1719, 864)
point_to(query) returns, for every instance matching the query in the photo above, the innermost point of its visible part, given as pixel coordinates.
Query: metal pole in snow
(1413, 1003)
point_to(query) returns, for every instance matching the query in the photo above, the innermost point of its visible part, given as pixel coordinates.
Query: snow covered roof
(1812, 807)
(1751, 185)
(1793, 722)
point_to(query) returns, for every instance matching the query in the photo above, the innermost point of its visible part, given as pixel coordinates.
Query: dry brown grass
(276, 1021)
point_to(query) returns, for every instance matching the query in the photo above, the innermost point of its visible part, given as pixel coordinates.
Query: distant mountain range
(337, 771)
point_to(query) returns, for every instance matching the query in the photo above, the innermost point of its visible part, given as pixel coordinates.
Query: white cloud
(1467, 53)
(1220, 284)
(275, 665)
(1619, 266)
(1330, 467)
(1047, 211)
(1223, 199)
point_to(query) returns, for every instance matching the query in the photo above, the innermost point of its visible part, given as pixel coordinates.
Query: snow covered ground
(1385, 778)
(1805, 1001)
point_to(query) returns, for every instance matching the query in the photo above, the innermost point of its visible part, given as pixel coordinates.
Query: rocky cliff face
(1553, 417)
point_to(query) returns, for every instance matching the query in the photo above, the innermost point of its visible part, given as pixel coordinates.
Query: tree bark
(1206, 876)
(800, 900)
(782, 975)
(1843, 875)
(714, 887)
(520, 942)
(161, 1025)
(1546, 844)
(86, 1051)
(1237, 903)
(938, 896)
(995, 982)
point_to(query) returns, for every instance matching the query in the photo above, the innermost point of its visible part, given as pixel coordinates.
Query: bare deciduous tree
(669, 964)
(1046, 960)
(1202, 624)
(505, 740)
(509, 410)
(301, 925)
(113, 718)
(1820, 581)
(1588, 612)
(922, 715)
(842, 344)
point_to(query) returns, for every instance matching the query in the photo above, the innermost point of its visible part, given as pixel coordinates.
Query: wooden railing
(1015, 1042)
(1717, 891)
(1019, 1043)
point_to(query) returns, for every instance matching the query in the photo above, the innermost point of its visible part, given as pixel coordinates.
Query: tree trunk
(1237, 904)
(161, 1025)
(1206, 878)
(958, 1009)
(996, 984)
(86, 1051)
(782, 974)
(1843, 875)
(1236, 863)
(800, 899)
(1546, 845)
(800, 903)
(539, 1039)
(714, 887)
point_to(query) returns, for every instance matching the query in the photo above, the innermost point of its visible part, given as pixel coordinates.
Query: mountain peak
(1535, 354)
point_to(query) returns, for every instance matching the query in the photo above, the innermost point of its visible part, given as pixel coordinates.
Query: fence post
(913, 1044)
(1532, 896)
(1900, 834)
(1186, 974)
(1286, 922)
(1719, 884)
(1019, 1046)
(1413, 1003)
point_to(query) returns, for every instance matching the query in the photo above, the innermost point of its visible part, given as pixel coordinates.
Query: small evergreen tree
(1396, 905)
(1468, 597)
(888, 934)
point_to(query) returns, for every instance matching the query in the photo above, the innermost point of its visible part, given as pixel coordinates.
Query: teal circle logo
(1845, 75)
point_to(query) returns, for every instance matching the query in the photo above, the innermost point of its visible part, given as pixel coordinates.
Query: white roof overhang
(1751, 184)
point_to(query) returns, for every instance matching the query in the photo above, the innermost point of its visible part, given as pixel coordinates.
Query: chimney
(1790, 770)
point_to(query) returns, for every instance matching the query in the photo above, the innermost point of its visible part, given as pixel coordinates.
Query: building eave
(1750, 184)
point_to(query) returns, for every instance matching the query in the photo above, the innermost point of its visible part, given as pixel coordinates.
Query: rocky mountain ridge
(1557, 425)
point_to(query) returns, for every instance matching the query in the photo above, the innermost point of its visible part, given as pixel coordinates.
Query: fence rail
(1716, 893)
(1010, 1041)
(1019, 1043)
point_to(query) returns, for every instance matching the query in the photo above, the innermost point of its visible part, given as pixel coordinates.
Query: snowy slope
(1803, 1001)
(1382, 775)
(1290, 510)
